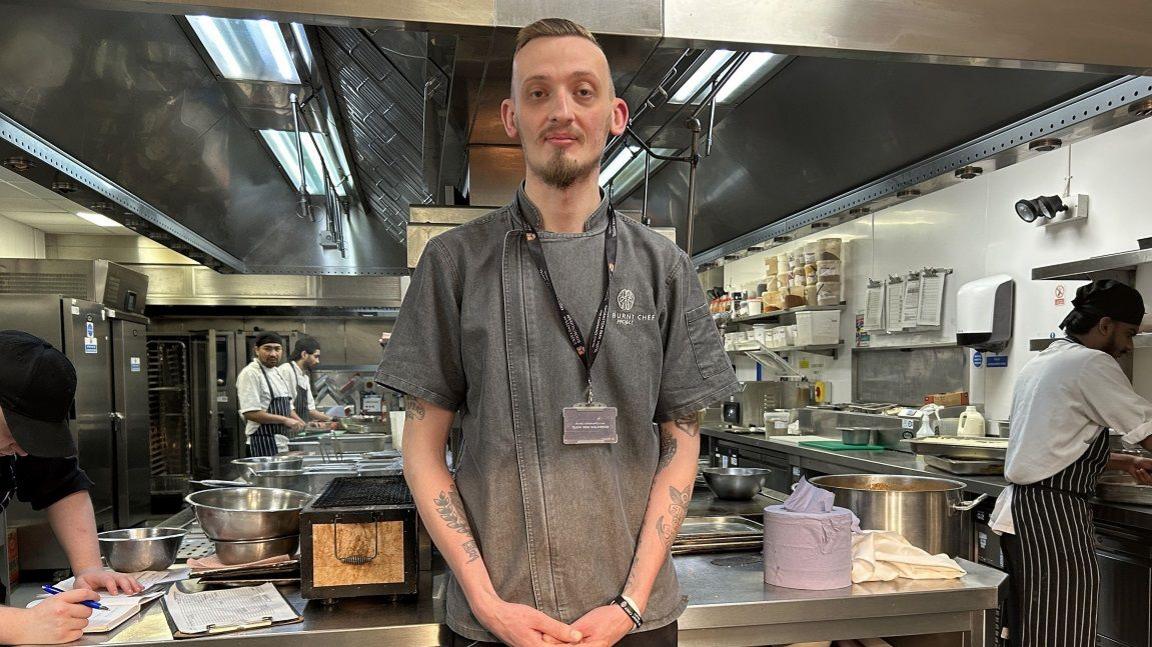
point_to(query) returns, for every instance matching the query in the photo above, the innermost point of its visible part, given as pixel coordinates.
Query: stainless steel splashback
(906, 375)
(106, 283)
(200, 286)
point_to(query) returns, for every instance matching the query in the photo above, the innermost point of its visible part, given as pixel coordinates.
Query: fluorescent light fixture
(630, 164)
(302, 43)
(283, 146)
(97, 219)
(754, 67)
(246, 50)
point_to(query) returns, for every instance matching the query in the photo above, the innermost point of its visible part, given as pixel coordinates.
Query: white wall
(18, 240)
(971, 227)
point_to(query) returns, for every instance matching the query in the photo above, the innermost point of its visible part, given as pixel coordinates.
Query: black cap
(268, 338)
(1109, 298)
(37, 387)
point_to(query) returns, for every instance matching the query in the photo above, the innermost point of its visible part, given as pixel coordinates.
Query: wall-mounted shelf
(1112, 266)
(820, 349)
(1143, 340)
(778, 314)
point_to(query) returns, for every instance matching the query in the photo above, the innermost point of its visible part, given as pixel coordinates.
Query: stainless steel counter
(729, 605)
(894, 462)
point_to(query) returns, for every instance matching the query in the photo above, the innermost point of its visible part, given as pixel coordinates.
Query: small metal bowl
(855, 435)
(244, 552)
(735, 483)
(140, 549)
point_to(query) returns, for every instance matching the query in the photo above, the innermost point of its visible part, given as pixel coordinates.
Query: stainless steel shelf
(822, 349)
(773, 316)
(1115, 266)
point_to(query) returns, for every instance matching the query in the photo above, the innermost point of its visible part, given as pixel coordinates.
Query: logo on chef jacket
(625, 301)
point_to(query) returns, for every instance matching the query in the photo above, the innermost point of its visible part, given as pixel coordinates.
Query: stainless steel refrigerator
(82, 331)
(129, 419)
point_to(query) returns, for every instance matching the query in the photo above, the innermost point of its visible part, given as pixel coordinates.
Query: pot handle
(968, 505)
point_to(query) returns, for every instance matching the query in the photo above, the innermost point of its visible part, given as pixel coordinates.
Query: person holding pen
(38, 465)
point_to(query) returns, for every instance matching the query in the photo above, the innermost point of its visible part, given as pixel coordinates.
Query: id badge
(586, 424)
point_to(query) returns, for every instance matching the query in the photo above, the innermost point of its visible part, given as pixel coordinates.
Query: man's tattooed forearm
(471, 550)
(451, 509)
(667, 449)
(677, 510)
(689, 423)
(414, 408)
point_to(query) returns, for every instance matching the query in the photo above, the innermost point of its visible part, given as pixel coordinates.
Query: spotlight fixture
(904, 194)
(17, 163)
(968, 172)
(1141, 108)
(859, 211)
(1045, 206)
(64, 186)
(821, 225)
(781, 239)
(1045, 145)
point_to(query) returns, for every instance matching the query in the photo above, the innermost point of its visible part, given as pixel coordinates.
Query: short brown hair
(546, 27)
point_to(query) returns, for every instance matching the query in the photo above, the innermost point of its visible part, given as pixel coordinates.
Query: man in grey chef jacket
(560, 332)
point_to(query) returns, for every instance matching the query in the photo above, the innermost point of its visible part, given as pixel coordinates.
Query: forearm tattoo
(667, 448)
(450, 507)
(689, 423)
(414, 408)
(677, 510)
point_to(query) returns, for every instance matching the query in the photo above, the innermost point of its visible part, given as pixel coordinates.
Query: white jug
(971, 423)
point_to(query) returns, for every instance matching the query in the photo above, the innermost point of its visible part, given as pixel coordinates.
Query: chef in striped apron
(1065, 402)
(266, 398)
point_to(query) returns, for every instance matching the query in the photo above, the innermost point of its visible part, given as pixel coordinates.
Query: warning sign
(1059, 300)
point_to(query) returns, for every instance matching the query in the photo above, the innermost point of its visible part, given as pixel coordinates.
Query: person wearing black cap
(38, 465)
(1064, 403)
(296, 371)
(266, 398)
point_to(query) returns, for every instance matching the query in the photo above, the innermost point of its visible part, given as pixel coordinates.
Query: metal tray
(959, 447)
(725, 547)
(718, 528)
(1121, 488)
(965, 465)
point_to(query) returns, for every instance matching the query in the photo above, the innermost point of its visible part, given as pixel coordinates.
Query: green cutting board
(836, 446)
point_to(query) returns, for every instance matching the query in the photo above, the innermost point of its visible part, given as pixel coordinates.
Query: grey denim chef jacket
(478, 332)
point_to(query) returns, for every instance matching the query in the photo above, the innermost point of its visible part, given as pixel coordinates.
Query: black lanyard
(586, 352)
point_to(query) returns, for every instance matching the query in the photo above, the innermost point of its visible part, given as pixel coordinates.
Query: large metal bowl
(280, 479)
(735, 483)
(248, 513)
(248, 466)
(245, 552)
(140, 549)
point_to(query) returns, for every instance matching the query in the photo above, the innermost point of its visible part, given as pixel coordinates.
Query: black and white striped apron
(301, 401)
(262, 442)
(1055, 580)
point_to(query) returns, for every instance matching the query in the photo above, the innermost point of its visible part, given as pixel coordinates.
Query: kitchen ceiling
(28, 203)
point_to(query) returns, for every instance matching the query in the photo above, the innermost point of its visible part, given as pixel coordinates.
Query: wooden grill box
(359, 538)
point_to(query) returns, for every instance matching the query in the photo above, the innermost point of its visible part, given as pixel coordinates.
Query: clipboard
(286, 613)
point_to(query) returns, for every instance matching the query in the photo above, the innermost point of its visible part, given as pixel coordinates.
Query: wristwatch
(626, 603)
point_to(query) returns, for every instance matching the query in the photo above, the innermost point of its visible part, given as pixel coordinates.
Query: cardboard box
(13, 558)
(953, 399)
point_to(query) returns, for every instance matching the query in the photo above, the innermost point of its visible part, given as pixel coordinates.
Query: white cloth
(884, 555)
(253, 394)
(1062, 399)
(296, 378)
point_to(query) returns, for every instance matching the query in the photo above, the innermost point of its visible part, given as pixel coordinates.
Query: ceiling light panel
(754, 68)
(97, 219)
(283, 146)
(246, 50)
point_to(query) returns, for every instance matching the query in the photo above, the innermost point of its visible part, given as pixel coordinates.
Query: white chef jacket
(253, 394)
(1062, 399)
(294, 376)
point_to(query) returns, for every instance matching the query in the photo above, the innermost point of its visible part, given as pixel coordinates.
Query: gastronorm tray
(718, 528)
(722, 547)
(961, 447)
(965, 466)
(1122, 488)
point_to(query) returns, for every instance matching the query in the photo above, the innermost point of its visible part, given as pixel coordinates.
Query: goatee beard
(561, 172)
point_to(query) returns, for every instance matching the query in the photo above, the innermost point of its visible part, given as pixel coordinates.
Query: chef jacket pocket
(705, 341)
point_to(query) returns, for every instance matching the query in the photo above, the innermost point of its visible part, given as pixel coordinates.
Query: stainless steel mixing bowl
(248, 513)
(244, 552)
(280, 479)
(140, 549)
(735, 483)
(247, 466)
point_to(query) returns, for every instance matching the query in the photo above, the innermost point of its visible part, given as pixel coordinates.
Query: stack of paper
(120, 608)
(211, 612)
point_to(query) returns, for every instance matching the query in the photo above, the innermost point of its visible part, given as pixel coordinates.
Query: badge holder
(589, 423)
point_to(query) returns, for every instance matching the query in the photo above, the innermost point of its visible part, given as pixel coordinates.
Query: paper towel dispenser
(984, 313)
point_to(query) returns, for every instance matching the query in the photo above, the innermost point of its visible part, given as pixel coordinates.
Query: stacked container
(829, 265)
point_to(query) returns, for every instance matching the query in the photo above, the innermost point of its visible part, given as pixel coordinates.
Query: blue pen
(88, 603)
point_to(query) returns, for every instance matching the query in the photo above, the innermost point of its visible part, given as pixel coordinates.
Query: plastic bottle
(971, 423)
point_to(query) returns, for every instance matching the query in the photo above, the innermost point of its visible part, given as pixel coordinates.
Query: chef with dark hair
(38, 465)
(297, 371)
(1064, 404)
(266, 397)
